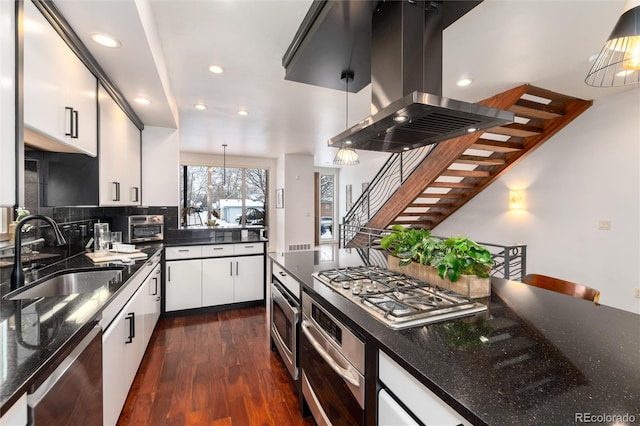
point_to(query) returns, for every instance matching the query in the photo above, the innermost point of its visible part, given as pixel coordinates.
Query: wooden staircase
(458, 169)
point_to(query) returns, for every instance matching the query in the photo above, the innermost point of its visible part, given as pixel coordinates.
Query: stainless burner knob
(356, 290)
(346, 285)
(371, 288)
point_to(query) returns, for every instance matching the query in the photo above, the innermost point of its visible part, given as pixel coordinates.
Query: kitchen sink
(66, 282)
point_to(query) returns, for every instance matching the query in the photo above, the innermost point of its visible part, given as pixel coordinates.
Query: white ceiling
(168, 45)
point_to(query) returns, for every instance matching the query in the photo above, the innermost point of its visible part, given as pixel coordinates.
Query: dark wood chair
(562, 286)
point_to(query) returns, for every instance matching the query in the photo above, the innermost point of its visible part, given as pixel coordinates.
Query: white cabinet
(213, 275)
(183, 284)
(7, 105)
(415, 396)
(17, 414)
(59, 91)
(127, 330)
(152, 286)
(249, 279)
(123, 347)
(217, 281)
(119, 174)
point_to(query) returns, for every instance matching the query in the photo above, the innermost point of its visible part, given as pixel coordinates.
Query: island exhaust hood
(407, 108)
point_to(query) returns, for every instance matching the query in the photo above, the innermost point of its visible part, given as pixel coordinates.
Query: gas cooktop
(395, 299)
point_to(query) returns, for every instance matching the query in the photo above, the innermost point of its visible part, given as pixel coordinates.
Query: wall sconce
(517, 200)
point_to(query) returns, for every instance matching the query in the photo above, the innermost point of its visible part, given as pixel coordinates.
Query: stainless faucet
(17, 274)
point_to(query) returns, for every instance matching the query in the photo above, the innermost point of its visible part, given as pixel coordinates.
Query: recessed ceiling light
(200, 106)
(105, 40)
(405, 148)
(243, 112)
(400, 118)
(464, 82)
(143, 101)
(348, 142)
(216, 69)
(471, 130)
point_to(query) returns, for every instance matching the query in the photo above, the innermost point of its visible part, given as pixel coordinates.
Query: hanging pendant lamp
(618, 63)
(346, 156)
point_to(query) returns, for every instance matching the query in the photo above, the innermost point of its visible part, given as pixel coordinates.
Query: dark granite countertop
(38, 333)
(543, 358)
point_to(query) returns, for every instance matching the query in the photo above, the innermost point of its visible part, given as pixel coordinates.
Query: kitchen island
(535, 357)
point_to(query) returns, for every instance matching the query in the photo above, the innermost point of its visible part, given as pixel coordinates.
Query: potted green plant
(456, 263)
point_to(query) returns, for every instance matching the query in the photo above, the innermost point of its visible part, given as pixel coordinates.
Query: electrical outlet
(637, 292)
(604, 225)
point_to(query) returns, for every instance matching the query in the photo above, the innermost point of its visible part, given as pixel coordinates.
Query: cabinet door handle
(282, 274)
(169, 273)
(237, 268)
(132, 327)
(230, 268)
(248, 246)
(155, 291)
(70, 132)
(115, 190)
(135, 194)
(74, 131)
(183, 250)
(218, 248)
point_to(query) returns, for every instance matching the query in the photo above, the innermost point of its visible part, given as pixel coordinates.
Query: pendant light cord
(224, 164)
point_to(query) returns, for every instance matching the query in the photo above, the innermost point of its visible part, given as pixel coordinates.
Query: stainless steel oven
(332, 364)
(140, 228)
(285, 319)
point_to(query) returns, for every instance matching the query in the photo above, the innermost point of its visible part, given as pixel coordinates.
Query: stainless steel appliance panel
(285, 317)
(332, 385)
(72, 394)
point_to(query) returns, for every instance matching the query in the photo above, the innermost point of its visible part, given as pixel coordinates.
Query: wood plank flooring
(212, 369)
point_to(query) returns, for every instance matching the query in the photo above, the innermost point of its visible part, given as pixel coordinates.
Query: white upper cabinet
(119, 155)
(59, 91)
(7, 105)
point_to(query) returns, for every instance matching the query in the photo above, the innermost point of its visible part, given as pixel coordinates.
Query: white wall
(296, 220)
(160, 166)
(588, 172)
(370, 164)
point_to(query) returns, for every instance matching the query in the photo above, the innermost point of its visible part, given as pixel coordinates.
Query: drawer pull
(218, 248)
(248, 246)
(183, 250)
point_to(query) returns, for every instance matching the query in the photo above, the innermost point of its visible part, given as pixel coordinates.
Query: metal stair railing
(385, 183)
(510, 260)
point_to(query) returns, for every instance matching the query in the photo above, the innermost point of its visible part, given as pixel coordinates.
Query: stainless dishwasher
(72, 394)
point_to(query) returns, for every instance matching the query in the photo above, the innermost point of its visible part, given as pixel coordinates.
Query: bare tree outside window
(235, 196)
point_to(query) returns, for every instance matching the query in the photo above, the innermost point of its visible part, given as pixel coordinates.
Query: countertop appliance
(285, 318)
(332, 362)
(140, 228)
(395, 299)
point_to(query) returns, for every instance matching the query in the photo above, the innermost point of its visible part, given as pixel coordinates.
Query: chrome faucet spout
(17, 275)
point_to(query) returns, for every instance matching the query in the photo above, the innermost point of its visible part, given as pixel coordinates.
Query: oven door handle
(292, 313)
(346, 374)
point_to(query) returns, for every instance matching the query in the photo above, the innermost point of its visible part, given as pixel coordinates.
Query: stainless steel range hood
(406, 77)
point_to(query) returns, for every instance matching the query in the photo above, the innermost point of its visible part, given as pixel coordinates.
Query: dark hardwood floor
(212, 369)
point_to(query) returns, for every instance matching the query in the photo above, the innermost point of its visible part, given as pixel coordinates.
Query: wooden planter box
(468, 285)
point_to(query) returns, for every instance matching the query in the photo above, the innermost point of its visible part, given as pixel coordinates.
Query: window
(228, 196)
(327, 223)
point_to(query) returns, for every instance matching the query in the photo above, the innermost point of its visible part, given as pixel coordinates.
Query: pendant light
(346, 156)
(618, 63)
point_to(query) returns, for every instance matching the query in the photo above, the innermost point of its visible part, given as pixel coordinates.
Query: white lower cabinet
(122, 350)
(124, 342)
(249, 279)
(153, 288)
(424, 404)
(214, 276)
(217, 281)
(17, 414)
(183, 284)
